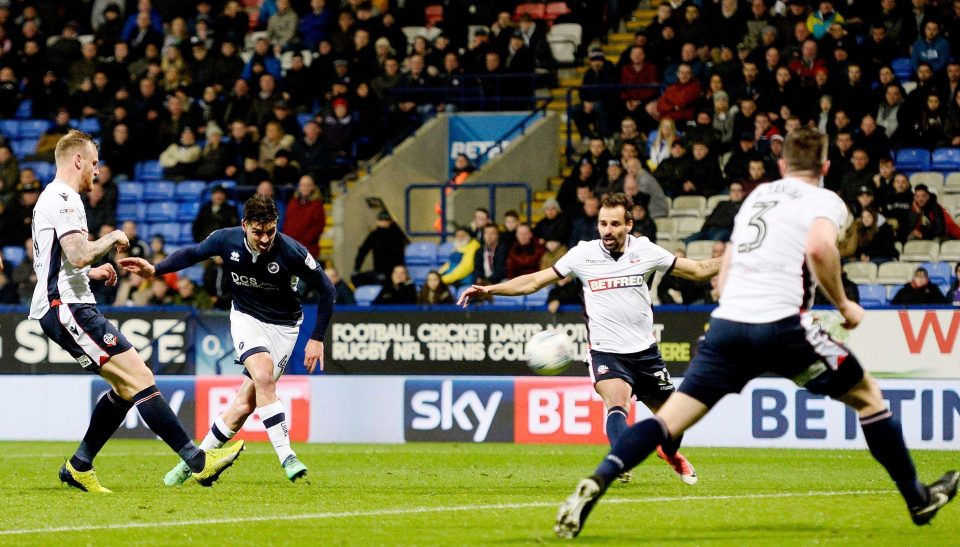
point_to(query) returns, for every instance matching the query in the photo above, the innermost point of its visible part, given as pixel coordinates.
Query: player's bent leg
(669, 452)
(262, 372)
(884, 436)
(617, 395)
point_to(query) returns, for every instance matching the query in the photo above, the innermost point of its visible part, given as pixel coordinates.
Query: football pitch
(430, 494)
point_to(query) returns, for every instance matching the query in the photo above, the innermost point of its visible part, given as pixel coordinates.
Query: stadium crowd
(283, 96)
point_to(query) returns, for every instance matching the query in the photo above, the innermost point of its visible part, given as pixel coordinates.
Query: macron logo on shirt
(607, 283)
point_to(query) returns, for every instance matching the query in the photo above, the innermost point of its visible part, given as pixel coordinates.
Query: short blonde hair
(70, 144)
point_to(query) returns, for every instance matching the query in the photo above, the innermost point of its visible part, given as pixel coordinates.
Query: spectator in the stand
(723, 118)
(719, 223)
(188, 294)
(867, 240)
(315, 25)
(387, 242)
(840, 156)
(859, 176)
(662, 142)
(490, 261)
(927, 129)
(340, 130)
(213, 160)
(274, 140)
(585, 226)
(119, 152)
(919, 291)
(592, 115)
(628, 135)
(180, 159)
(525, 253)
(554, 251)
(312, 154)
(598, 156)
(398, 289)
(305, 218)
(674, 172)
(643, 224)
(215, 215)
(898, 204)
(648, 184)
(931, 48)
(99, 211)
(481, 219)
(925, 218)
(286, 173)
(553, 225)
(873, 139)
(677, 290)
(705, 178)
(511, 219)
(888, 113)
(952, 124)
(567, 194)
(252, 174)
(679, 99)
(16, 218)
(641, 74)
(282, 25)
(344, 292)
(738, 166)
(24, 275)
(459, 268)
(953, 296)
(9, 173)
(434, 291)
(138, 247)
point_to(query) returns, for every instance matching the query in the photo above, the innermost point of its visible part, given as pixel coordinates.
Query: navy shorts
(84, 333)
(731, 354)
(644, 371)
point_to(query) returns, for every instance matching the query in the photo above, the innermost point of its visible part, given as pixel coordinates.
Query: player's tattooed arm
(697, 270)
(81, 252)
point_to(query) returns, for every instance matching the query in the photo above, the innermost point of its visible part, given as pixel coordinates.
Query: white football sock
(275, 422)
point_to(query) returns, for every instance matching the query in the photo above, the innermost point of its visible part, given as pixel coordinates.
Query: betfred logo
(560, 411)
(215, 393)
(607, 283)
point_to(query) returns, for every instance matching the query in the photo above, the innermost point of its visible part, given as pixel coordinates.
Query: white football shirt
(616, 301)
(768, 278)
(58, 212)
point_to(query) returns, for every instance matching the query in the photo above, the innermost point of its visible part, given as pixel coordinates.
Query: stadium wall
(770, 412)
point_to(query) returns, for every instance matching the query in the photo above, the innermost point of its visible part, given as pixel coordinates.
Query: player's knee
(866, 396)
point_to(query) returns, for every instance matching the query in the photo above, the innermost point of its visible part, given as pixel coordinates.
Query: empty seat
(131, 211)
(861, 272)
(920, 251)
(946, 159)
(932, 179)
(507, 301)
(539, 298)
(186, 234)
(44, 170)
(700, 250)
(712, 202)
(872, 295)
(130, 192)
(89, 125)
(902, 68)
(162, 212)
(170, 231)
(687, 226)
(895, 272)
(24, 109)
(187, 212)
(190, 190)
(13, 255)
(950, 250)
(444, 250)
(666, 228)
(32, 129)
(938, 272)
(10, 128)
(688, 206)
(421, 253)
(22, 148)
(952, 183)
(194, 273)
(913, 159)
(159, 190)
(148, 170)
(418, 274)
(366, 294)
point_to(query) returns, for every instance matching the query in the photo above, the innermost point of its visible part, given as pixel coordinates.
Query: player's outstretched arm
(105, 273)
(81, 252)
(178, 260)
(524, 284)
(696, 270)
(824, 260)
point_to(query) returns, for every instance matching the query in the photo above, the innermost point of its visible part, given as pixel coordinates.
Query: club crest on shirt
(109, 339)
(273, 267)
(235, 256)
(602, 369)
(634, 257)
(310, 262)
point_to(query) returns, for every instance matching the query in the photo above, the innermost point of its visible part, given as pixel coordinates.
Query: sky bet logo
(458, 410)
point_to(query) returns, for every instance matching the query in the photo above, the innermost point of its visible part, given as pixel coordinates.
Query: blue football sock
(158, 416)
(107, 416)
(616, 423)
(884, 437)
(632, 447)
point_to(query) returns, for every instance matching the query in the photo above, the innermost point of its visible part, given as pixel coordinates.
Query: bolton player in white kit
(624, 359)
(67, 312)
(264, 267)
(785, 231)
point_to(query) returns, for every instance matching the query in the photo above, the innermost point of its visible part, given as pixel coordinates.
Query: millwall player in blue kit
(264, 267)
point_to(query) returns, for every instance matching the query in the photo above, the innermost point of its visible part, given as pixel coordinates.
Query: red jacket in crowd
(305, 220)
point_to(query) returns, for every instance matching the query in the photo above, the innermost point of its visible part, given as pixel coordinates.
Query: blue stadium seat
(89, 125)
(169, 230)
(913, 159)
(148, 170)
(131, 211)
(303, 118)
(32, 129)
(190, 190)
(159, 190)
(194, 273)
(892, 291)
(420, 253)
(946, 159)
(902, 68)
(45, 171)
(13, 255)
(9, 128)
(24, 109)
(418, 274)
(443, 252)
(186, 234)
(23, 147)
(538, 298)
(187, 212)
(162, 212)
(938, 272)
(130, 192)
(872, 295)
(511, 301)
(365, 294)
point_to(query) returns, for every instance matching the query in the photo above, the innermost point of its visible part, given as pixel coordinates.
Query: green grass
(432, 494)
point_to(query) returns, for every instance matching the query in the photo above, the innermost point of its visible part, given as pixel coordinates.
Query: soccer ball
(549, 352)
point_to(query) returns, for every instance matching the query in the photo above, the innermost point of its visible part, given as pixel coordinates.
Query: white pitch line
(421, 510)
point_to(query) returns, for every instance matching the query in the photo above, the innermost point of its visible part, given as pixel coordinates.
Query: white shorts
(252, 336)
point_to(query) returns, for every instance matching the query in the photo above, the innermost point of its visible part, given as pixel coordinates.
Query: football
(549, 352)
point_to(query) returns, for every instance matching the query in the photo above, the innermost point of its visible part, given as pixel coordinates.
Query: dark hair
(619, 199)
(512, 213)
(261, 209)
(805, 150)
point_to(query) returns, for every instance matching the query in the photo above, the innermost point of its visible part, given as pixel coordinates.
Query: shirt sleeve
(830, 207)
(312, 274)
(70, 218)
(663, 260)
(188, 256)
(569, 262)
